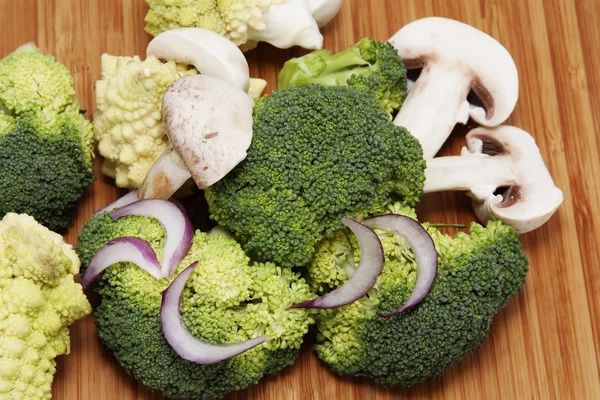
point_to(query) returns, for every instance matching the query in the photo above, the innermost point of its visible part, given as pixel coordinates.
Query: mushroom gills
(459, 73)
(503, 172)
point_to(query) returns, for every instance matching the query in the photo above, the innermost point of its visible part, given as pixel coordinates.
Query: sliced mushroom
(504, 173)
(211, 54)
(455, 59)
(209, 124)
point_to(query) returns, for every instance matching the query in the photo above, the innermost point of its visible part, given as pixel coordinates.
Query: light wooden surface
(546, 343)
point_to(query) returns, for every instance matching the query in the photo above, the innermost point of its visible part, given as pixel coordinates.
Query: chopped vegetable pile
(312, 189)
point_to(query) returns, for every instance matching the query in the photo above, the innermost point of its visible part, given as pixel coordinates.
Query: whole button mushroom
(456, 59)
(209, 124)
(504, 173)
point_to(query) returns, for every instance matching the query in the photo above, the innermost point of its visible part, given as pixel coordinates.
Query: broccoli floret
(318, 154)
(227, 299)
(368, 65)
(477, 275)
(45, 143)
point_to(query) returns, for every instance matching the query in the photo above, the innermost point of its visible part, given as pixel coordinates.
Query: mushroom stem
(503, 172)
(165, 177)
(468, 172)
(435, 104)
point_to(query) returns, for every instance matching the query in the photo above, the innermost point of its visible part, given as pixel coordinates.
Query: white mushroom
(456, 59)
(209, 124)
(504, 173)
(288, 24)
(211, 54)
(323, 11)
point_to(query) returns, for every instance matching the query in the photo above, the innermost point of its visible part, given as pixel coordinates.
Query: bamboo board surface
(546, 343)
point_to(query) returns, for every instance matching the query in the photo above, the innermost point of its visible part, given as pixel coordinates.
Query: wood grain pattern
(546, 343)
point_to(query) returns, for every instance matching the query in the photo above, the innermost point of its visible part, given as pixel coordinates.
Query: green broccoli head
(318, 154)
(369, 65)
(45, 143)
(227, 299)
(478, 273)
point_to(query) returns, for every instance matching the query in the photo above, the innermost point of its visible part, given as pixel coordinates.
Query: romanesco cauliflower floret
(231, 18)
(38, 301)
(128, 121)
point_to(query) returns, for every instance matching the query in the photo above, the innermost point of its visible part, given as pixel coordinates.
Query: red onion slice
(182, 341)
(124, 249)
(365, 276)
(129, 198)
(422, 245)
(178, 228)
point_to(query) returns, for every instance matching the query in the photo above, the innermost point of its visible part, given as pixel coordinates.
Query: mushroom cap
(453, 44)
(209, 124)
(211, 53)
(533, 198)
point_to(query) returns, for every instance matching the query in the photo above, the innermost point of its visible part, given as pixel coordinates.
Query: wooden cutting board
(546, 343)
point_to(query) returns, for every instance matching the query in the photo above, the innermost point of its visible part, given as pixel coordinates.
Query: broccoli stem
(338, 68)
(468, 172)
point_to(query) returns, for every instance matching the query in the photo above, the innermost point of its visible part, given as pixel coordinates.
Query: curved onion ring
(365, 276)
(422, 245)
(178, 228)
(182, 341)
(124, 249)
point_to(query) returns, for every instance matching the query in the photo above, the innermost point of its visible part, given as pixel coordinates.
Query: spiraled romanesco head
(128, 121)
(227, 299)
(38, 301)
(230, 18)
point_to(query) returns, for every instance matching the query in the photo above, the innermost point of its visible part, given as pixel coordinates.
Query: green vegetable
(230, 18)
(39, 299)
(318, 154)
(45, 143)
(227, 299)
(477, 275)
(368, 65)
